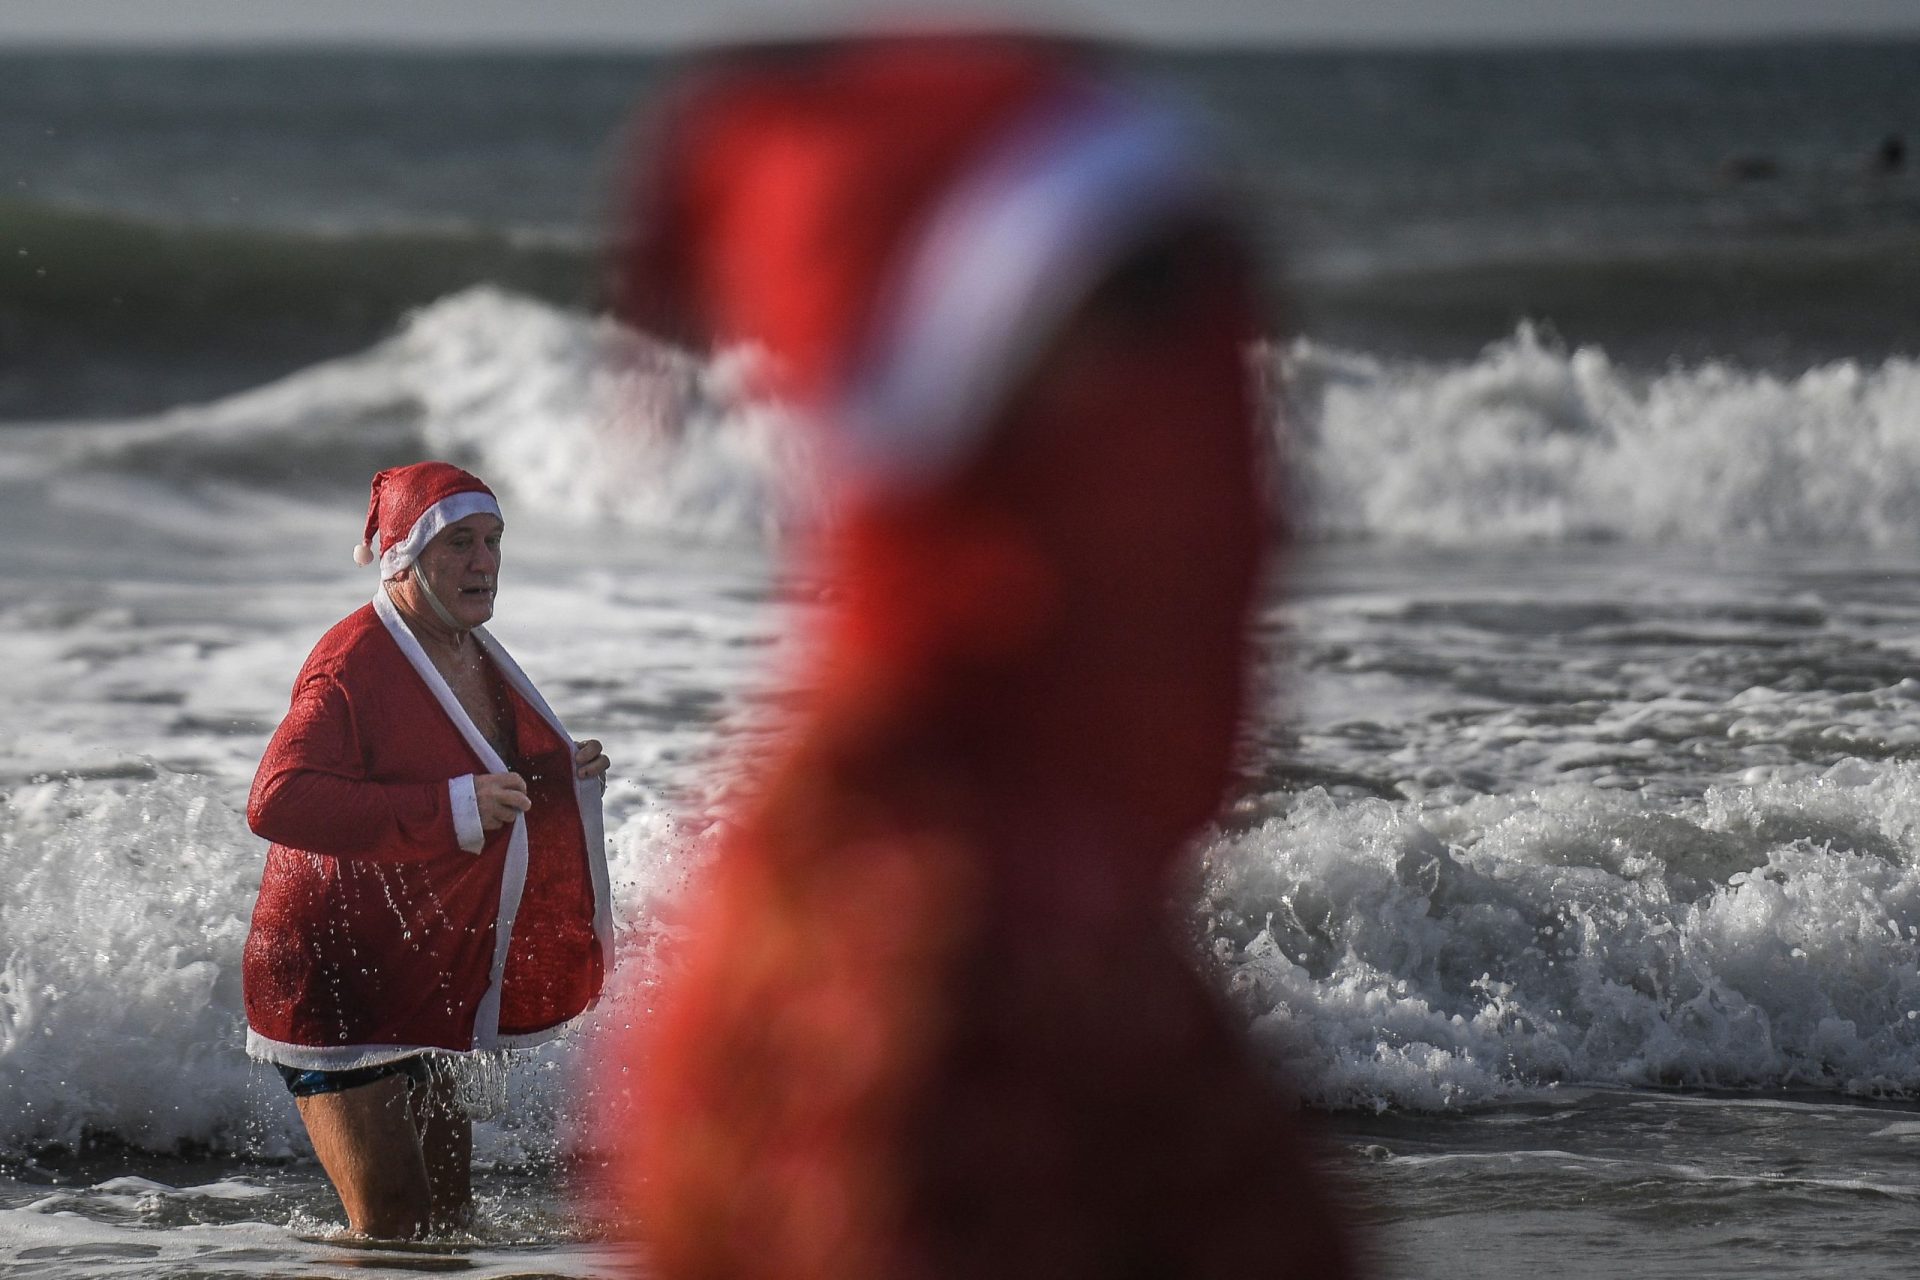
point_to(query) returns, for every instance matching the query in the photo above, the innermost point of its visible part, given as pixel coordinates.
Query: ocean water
(1575, 883)
(186, 225)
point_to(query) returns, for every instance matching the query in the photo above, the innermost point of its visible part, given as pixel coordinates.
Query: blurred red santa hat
(410, 505)
(903, 222)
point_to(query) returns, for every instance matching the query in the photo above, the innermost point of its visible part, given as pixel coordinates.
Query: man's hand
(502, 797)
(588, 762)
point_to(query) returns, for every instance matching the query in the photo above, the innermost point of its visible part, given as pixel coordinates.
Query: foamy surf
(1595, 788)
(89, 1236)
(575, 418)
(1535, 443)
(1446, 955)
(1409, 955)
(585, 422)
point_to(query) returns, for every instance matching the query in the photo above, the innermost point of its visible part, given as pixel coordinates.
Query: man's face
(461, 566)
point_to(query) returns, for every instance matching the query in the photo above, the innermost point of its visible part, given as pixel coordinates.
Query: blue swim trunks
(302, 1083)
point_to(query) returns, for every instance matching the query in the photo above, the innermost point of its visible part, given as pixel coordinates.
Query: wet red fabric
(554, 969)
(373, 927)
(936, 1016)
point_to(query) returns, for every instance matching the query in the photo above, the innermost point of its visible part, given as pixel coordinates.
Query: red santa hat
(410, 505)
(904, 223)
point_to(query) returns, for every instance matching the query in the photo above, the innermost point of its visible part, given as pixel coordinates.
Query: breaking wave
(1384, 954)
(580, 420)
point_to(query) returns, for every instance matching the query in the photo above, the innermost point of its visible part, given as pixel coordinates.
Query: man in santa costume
(437, 880)
(935, 1017)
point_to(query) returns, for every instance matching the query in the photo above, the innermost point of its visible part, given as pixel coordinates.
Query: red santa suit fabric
(388, 922)
(935, 1016)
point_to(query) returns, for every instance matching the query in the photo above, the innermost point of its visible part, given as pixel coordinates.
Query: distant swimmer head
(1891, 155)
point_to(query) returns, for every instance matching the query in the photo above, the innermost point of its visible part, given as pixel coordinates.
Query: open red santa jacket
(388, 922)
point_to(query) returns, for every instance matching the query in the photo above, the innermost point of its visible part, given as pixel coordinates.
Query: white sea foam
(225, 1189)
(119, 988)
(1429, 957)
(580, 420)
(1384, 954)
(1534, 443)
(585, 420)
(572, 417)
(63, 1242)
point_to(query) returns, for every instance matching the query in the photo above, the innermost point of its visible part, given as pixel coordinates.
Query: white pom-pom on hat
(362, 554)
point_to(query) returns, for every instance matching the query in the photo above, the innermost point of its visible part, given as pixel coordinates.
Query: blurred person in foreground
(934, 1016)
(437, 884)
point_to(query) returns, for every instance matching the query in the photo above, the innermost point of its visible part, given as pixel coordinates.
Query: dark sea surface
(183, 224)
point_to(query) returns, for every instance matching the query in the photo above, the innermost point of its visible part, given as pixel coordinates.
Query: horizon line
(1209, 43)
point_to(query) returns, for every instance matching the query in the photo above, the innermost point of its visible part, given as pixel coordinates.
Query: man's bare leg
(368, 1145)
(446, 1146)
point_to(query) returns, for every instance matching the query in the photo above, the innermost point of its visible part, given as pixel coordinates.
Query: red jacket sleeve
(312, 792)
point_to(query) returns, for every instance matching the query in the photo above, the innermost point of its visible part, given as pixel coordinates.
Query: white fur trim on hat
(1010, 251)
